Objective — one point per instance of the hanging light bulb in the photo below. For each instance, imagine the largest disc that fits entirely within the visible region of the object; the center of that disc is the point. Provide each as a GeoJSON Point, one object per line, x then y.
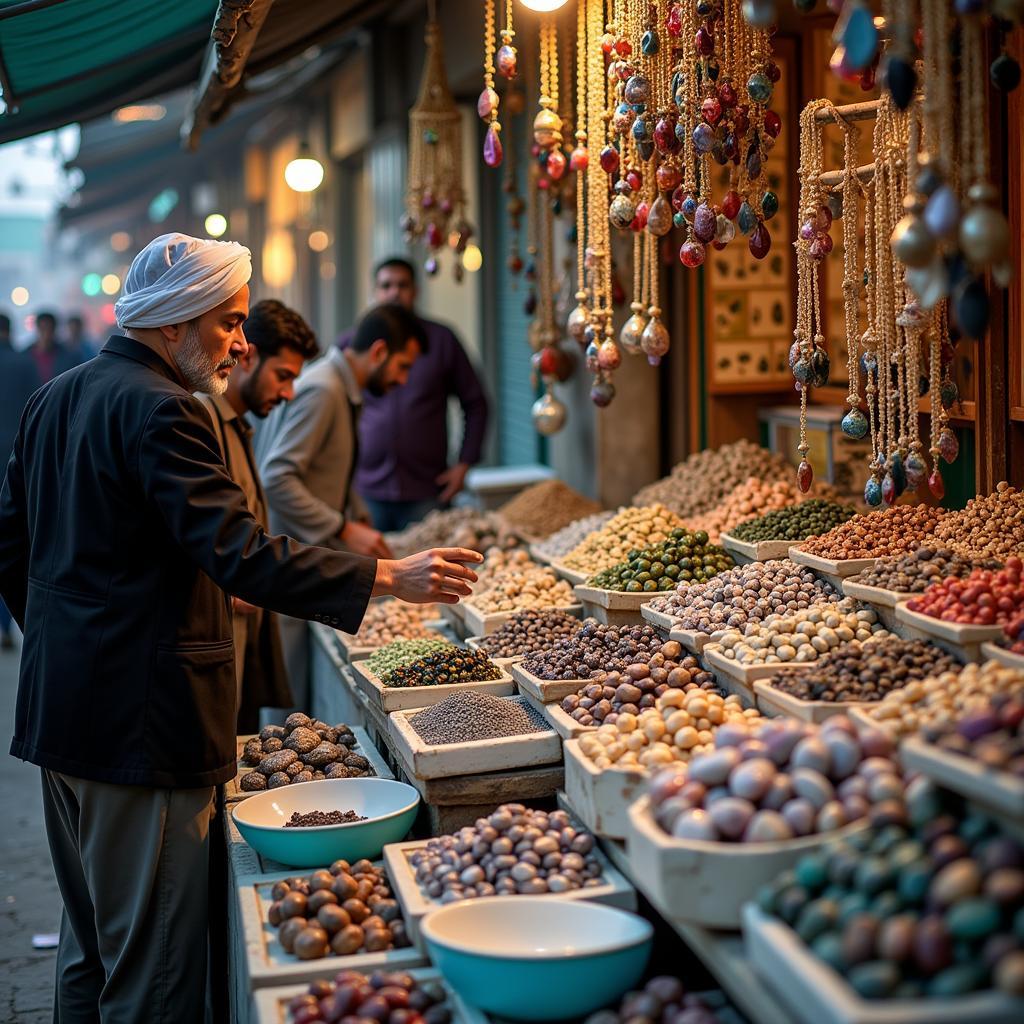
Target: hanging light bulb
{"type": "Point", "coordinates": [305, 172]}
{"type": "Point", "coordinates": [543, 6]}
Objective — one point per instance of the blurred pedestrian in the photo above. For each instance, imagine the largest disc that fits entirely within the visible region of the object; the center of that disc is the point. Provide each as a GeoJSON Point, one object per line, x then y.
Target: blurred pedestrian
{"type": "Point", "coordinates": [309, 449]}
{"type": "Point", "coordinates": [18, 379]}
{"type": "Point", "coordinates": [120, 536]}
{"type": "Point", "coordinates": [50, 357]}
{"type": "Point", "coordinates": [403, 469]}
{"type": "Point", "coordinates": [280, 342]}
{"type": "Point", "coordinates": [77, 342]}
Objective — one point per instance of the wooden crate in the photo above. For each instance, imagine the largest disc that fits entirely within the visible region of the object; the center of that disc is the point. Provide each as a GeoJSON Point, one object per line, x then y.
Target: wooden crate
{"type": "Point", "coordinates": [771, 701]}
{"type": "Point", "coordinates": [561, 721]}
{"type": "Point", "coordinates": [833, 571]}
{"type": "Point", "coordinates": [480, 624]}
{"type": "Point", "coordinates": [744, 552]}
{"type": "Point", "coordinates": [614, 891]}
{"type": "Point", "coordinates": [964, 642]}
{"type": "Point", "coordinates": [401, 698]}
{"type": "Point", "coordinates": [993, 652]}
{"type": "Point", "coordinates": [612, 607]}
{"type": "Point", "coordinates": [474, 643]}
{"type": "Point", "coordinates": [740, 679]}
{"type": "Point", "coordinates": [546, 690]}
{"type": "Point", "coordinates": [232, 792]}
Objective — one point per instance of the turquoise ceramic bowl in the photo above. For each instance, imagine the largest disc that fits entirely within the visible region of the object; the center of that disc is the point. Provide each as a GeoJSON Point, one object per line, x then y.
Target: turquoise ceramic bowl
{"type": "Point", "coordinates": [389, 806]}
{"type": "Point", "coordinates": [536, 957]}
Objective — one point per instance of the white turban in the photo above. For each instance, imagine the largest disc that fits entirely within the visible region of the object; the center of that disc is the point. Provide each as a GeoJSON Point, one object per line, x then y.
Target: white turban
{"type": "Point", "coordinates": [177, 278]}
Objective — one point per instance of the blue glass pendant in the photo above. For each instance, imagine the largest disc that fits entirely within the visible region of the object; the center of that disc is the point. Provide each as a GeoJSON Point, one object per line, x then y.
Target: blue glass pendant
{"type": "Point", "coordinates": [746, 219]}
{"type": "Point", "coordinates": [916, 469]}
{"type": "Point", "coordinates": [899, 474]}
{"type": "Point", "coordinates": [873, 492]}
{"type": "Point", "coordinates": [855, 424]}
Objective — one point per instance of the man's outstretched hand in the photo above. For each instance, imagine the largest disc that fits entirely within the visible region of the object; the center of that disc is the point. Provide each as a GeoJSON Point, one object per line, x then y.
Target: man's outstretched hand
{"type": "Point", "coordinates": [440, 575]}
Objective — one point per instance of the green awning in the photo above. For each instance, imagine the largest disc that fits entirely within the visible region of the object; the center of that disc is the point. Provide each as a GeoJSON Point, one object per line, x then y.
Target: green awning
{"type": "Point", "coordinates": [70, 60]}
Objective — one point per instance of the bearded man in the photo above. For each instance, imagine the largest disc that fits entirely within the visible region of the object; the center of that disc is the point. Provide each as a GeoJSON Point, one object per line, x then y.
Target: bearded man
{"type": "Point", "coordinates": [121, 537]}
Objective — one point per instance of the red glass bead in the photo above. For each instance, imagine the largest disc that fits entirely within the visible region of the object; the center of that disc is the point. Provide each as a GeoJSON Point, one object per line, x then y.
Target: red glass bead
{"type": "Point", "coordinates": [674, 21]}
{"type": "Point", "coordinates": [936, 484]}
{"type": "Point", "coordinates": [704, 41]}
{"type": "Point", "coordinates": [774, 72]}
{"type": "Point", "coordinates": [692, 254]}
{"type": "Point", "coordinates": [623, 47]}
{"type": "Point", "coordinates": [949, 446]}
{"type": "Point", "coordinates": [711, 110]}
{"type": "Point", "coordinates": [731, 204]}
{"type": "Point", "coordinates": [772, 124]}
{"type": "Point", "coordinates": [434, 236]}
{"type": "Point", "coordinates": [727, 95]}
{"type": "Point", "coordinates": [635, 180]}
{"type": "Point", "coordinates": [888, 489]}
{"type": "Point", "coordinates": [555, 165]}
{"type": "Point", "coordinates": [804, 476]}
{"type": "Point", "coordinates": [640, 219]}
{"type": "Point", "coordinates": [607, 44]}
{"type": "Point", "coordinates": [609, 159]}
{"type": "Point", "coordinates": [668, 177]}
{"type": "Point", "coordinates": [579, 159]}
{"type": "Point", "coordinates": [759, 242]}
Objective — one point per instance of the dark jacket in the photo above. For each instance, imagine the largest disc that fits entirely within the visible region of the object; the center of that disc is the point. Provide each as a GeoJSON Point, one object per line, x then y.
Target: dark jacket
{"type": "Point", "coordinates": [120, 536]}
{"type": "Point", "coordinates": [18, 379]}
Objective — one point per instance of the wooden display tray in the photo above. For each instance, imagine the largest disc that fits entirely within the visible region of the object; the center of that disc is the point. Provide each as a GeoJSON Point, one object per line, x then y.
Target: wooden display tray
{"type": "Point", "coordinates": [270, 1005]}
{"type": "Point", "coordinates": [401, 698]}
{"type": "Point", "coordinates": [771, 701]}
{"type": "Point", "coordinates": [996, 791]}
{"type": "Point", "coordinates": [692, 639]}
{"type": "Point", "coordinates": [364, 746]}
{"type": "Point", "coordinates": [963, 641]}
{"type": "Point", "coordinates": [572, 576]}
{"type": "Point", "coordinates": [268, 964]}
{"type": "Point", "coordinates": [744, 552]}
{"type": "Point", "coordinates": [615, 891]}
{"type": "Point", "coordinates": [877, 596]}
{"type": "Point", "coordinates": [737, 678]}
{"type": "Point", "coordinates": [834, 571]}
{"type": "Point", "coordinates": [474, 642]}
{"type": "Point", "coordinates": [547, 691]}
{"type": "Point", "coordinates": [538, 556]}
{"type": "Point", "coordinates": [816, 994]}
{"type": "Point", "coordinates": [351, 651]}
{"type": "Point", "coordinates": [612, 607]}
{"type": "Point", "coordinates": [708, 882]}
{"type": "Point", "coordinates": [437, 762]}
{"type": "Point", "coordinates": [480, 624]}
{"type": "Point", "coordinates": [600, 797]}
{"type": "Point", "coordinates": [560, 720]}
{"type": "Point", "coordinates": [663, 621]}
{"type": "Point", "coordinates": [993, 652]}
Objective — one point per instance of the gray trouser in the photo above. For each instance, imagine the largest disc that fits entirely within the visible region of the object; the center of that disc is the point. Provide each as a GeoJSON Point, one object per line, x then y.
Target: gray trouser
{"type": "Point", "coordinates": [132, 865]}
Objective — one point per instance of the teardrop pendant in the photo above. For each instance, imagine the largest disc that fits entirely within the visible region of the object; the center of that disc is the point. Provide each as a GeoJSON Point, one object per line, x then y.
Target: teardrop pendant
{"type": "Point", "coordinates": [873, 492]}
{"type": "Point", "coordinates": [936, 484]}
{"type": "Point", "coordinates": [899, 474]}
{"type": "Point", "coordinates": [855, 424]}
{"type": "Point", "coordinates": [804, 476]}
{"type": "Point", "coordinates": [949, 446]}
{"type": "Point", "coordinates": [888, 489]}
{"type": "Point", "coordinates": [916, 469]}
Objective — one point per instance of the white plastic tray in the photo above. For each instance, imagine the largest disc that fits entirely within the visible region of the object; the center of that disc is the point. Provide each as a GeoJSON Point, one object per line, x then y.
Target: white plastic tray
{"type": "Point", "coordinates": [546, 690]}
{"type": "Point", "coordinates": [600, 797]}
{"type": "Point", "coordinates": [704, 882]}
{"type": "Point", "coordinates": [268, 964]}
{"type": "Point", "coordinates": [815, 994]}
{"type": "Point", "coordinates": [615, 891]}
{"type": "Point", "coordinates": [771, 701]}
{"type": "Point", "coordinates": [364, 746]}
{"type": "Point", "coordinates": [745, 552]}
{"type": "Point", "coordinates": [560, 720]}
{"type": "Point", "coordinates": [993, 652]}
{"type": "Point", "coordinates": [401, 698]}
{"type": "Point", "coordinates": [474, 758]}
{"type": "Point", "coordinates": [998, 791]}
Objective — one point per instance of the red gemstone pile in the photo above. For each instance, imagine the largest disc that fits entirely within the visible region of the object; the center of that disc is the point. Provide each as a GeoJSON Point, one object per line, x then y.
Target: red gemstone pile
{"type": "Point", "coordinates": [984, 598]}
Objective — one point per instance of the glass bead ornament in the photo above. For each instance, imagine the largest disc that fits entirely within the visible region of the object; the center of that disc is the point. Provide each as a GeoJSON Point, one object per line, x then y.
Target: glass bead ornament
{"type": "Point", "coordinates": [804, 476]}
{"type": "Point", "coordinates": [769, 205]}
{"type": "Point", "coordinates": [725, 231]}
{"type": "Point", "coordinates": [759, 13]}
{"type": "Point", "coordinates": [911, 242]}
{"type": "Point", "coordinates": [487, 103]}
{"type": "Point", "coordinates": [759, 88]}
{"type": "Point", "coordinates": [637, 90]}
{"type": "Point", "coordinates": [692, 254]}
{"type": "Point", "coordinates": [888, 488]}
{"type": "Point", "coordinates": [602, 392]}
{"type": "Point", "coordinates": [984, 231]}
{"type": "Point", "coordinates": [899, 474]}
{"type": "Point", "coordinates": [942, 212]}
{"type": "Point", "coordinates": [576, 324]}
{"type": "Point", "coordinates": [548, 414]}
{"type": "Point", "coordinates": [632, 331]}
{"type": "Point", "coordinates": [731, 203]}
{"type": "Point", "coordinates": [971, 306]}
{"type": "Point", "coordinates": [705, 223]}
{"type": "Point", "coordinates": [746, 219]}
{"type": "Point", "coordinates": [916, 470]}
{"type": "Point", "coordinates": [608, 355]}
{"type": "Point", "coordinates": [547, 126]}
{"type": "Point", "coordinates": [760, 242]}
{"type": "Point", "coordinates": [855, 424]}
{"type": "Point", "coordinates": [948, 394]}
{"type": "Point", "coordinates": [855, 31]}
{"type": "Point", "coordinates": [506, 61]}
{"type": "Point", "coordinates": [654, 340]}
{"type": "Point", "coordinates": [820, 367]}
{"type": "Point", "coordinates": [591, 356]}
{"type": "Point", "coordinates": [621, 211]}
{"type": "Point", "coordinates": [802, 370]}
{"type": "Point", "coordinates": [949, 446]}
{"type": "Point", "coordinates": [494, 152]}
{"type": "Point", "coordinates": [579, 159]}
{"type": "Point", "coordinates": [873, 491]}
{"type": "Point", "coordinates": [936, 484]}
{"type": "Point", "coordinates": [609, 159]}
{"type": "Point", "coordinates": [1004, 74]}
{"type": "Point", "coordinates": [659, 217]}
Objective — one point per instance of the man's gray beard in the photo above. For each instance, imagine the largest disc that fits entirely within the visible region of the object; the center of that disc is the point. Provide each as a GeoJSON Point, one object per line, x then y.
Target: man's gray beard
{"type": "Point", "coordinates": [198, 369]}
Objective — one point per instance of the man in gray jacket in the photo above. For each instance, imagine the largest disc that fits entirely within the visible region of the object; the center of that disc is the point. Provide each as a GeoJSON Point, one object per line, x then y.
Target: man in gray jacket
{"type": "Point", "coordinates": [308, 450]}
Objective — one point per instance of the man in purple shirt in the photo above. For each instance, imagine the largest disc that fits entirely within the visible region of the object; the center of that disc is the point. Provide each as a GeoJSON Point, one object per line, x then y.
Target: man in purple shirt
{"type": "Point", "coordinates": [403, 469]}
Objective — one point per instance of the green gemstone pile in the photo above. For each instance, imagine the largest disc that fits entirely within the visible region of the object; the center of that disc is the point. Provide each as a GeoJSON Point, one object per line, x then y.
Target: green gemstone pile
{"type": "Point", "coordinates": [686, 556]}
{"type": "Point", "coordinates": [795, 522]}
{"type": "Point", "coordinates": [402, 652]}
{"type": "Point", "coordinates": [444, 667]}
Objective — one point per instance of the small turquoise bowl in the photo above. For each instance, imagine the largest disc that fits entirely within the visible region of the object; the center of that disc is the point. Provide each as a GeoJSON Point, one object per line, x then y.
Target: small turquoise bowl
{"type": "Point", "coordinates": [388, 806]}
{"type": "Point", "coordinates": [537, 957]}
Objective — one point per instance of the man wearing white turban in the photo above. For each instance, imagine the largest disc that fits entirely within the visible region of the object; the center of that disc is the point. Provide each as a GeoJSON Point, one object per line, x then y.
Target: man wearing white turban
{"type": "Point", "coordinates": [121, 535]}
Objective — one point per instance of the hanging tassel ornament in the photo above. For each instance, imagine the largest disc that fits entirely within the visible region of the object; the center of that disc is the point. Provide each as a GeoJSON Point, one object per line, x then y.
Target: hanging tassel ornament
{"type": "Point", "coordinates": [435, 200]}
{"type": "Point", "coordinates": [487, 104]}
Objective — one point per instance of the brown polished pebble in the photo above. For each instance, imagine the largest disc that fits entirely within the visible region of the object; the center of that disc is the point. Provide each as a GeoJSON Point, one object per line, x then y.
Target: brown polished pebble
{"type": "Point", "coordinates": [866, 671]}
{"type": "Point", "coordinates": [314, 819]}
{"type": "Point", "coordinates": [528, 632]}
{"type": "Point", "coordinates": [891, 531]}
{"type": "Point", "coordinates": [594, 648]}
{"type": "Point", "coordinates": [913, 574]}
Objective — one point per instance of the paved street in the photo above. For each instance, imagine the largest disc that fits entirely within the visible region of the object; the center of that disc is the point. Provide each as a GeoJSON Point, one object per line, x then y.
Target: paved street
{"type": "Point", "coordinates": [29, 902]}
